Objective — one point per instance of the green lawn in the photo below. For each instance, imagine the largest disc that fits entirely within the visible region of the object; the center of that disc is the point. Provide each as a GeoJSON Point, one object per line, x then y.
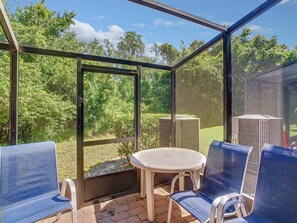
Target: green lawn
{"type": "Point", "coordinates": [66, 155]}
{"type": "Point", "coordinates": [94, 155]}
{"type": "Point", "coordinates": [293, 130]}
{"type": "Point", "coordinates": [209, 134]}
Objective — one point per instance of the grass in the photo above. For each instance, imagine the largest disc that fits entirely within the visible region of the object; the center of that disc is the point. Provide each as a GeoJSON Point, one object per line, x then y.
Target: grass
{"type": "Point", "coordinates": [293, 130]}
{"type": "Point", "coordinates": [209, 134]}
{"type": "Point", "coordinates": [94, 155]}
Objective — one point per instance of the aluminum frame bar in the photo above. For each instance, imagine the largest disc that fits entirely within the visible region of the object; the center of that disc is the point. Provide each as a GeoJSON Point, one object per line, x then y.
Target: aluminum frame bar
{"type": "Point", "coordinates": [173, 108]}
{"type": "Point", "coordinates": [199, 50]}
{"type": "Point", "coordinates": [4, 46]}
{"type": "Point", "coordinates": [80, 134]}
{"type": "Point", "coordinates": [227, 87]}
{"type": "Point", "coordinates": [6, 26]}
{"type": "Point", "coordinates": [26, 49]}
{"type": "Point", "coordinates": [46, 52]}
{"type": "Point", "coordinates": [252, 15]}
{"type": "Point", "coordinates": [137, 108]}
{"type": "Point", "coordinates": [108, 70]}
{"type": "Point", "coordinates": [13, 100]}
{"type": "Point", "coordinates": [179, 13]}
{"type": "Point", "coordinates": [107, 141]}
{"type": "Point", "coordinates": [237, 25]}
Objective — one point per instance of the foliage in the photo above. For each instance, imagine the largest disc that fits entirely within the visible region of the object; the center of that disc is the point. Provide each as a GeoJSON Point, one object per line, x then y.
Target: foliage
{"type": "Point", "coordinates": [42, 114]}
{"type": "Point", "coordinates": [99, 90]}
{"type": "Point", "coordinates": [36, 25]}
{"type": "Point", "coordinates": [166, 52]}
{"type": "Point", "coordinates": [47, 85]}
{"type": "Point", "coordinates": [156, 91]}
{"type": "Point", "coordinates": [4, 97]}
{"type": "Point", "coordinates": [124, 127]}
{"type": "Point", "coordinates": [131, 46]}
{"type": "Point", "coordinates": [251, 55]}
{"type": "Point", "coordinates": [95, 155]}
{"type": "Point", "coordinates": [202, 77]}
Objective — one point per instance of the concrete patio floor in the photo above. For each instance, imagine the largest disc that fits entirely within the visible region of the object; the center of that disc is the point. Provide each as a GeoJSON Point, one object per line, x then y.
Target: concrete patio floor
{"type": "Point", "coordinates": [128, 209]}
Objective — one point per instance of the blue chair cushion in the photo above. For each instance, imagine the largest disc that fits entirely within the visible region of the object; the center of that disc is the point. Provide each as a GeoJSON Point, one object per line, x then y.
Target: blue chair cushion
{"type": "Point", "coordinates": [194, 202]}
{"type": "Point", "coordinates": [241, 220]}
{"type": "Point", "coordinates": [250, 219]}
{"type": "Point", "coordinates": [224, 172]}
{"type": "Point", "coordinates": [276, 197]}
{"type": "Point", "coordinates": [34, 209]}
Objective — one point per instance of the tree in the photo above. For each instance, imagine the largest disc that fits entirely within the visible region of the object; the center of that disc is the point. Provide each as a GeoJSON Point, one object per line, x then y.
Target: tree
{"type": "Point", "coordinates": [251, 55]}
{"type": "Point", "coordinates": [94, 48]}
{"type": "Point", "coordinates": [156, 91]}
{"type": "Point", "coordinates": [195, 45]}
{"type": "Point", "coordinates": [108, 48]}
{"type": "Point", "coordinates": [38, 15]}
{"type": "Point", "coordinates": [99, 90]}
{"type": "Point", "coordinates": [200, 88]}
{"type": "Point", "coordinates": [156, 49]}
{"type": "Point", "coordinates": [168, 53]}
{"type": "Point", "coordinates": [131, 45]}
{"type": "Point", "coordinates": [36, 25]}
{"type": "Point", "coordinates": [47, 97]}
{"type": "Point", "coordinates": [4, 97]}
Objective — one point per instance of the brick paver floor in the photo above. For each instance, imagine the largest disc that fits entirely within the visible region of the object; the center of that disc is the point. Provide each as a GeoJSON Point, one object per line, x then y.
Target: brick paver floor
{"type": "Point", "coordinates": [128, 209]}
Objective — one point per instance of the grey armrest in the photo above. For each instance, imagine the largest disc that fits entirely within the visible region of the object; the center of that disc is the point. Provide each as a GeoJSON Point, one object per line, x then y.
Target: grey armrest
{"type": "Point", "coordinates": [234, 199]}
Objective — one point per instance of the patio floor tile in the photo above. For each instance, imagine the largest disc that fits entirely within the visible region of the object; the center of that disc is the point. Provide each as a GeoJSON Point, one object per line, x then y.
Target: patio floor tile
{"type": "Point", "coordinates": [128, 209]}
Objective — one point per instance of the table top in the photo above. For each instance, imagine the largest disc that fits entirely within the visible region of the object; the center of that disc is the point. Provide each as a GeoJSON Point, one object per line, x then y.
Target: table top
{"type": "Point", "coordinates": [168, 160]}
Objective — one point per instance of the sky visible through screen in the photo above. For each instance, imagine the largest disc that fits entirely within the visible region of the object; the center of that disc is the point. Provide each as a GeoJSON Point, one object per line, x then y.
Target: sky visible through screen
{"type": "Point", "coordinates": [110, 19]}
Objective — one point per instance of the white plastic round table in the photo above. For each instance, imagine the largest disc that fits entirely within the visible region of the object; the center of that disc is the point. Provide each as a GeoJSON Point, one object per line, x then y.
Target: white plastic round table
{"type": "Point", "coordinates": [165, 160]}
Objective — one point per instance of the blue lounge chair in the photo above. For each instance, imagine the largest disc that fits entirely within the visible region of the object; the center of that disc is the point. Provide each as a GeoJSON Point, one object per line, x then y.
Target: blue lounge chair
{"type": "Point", "coordinates": [275, 197]}
{"type": "Point", "coordinates": [29, 188]}
{"type": "Point", "coordinates": [224, 173]}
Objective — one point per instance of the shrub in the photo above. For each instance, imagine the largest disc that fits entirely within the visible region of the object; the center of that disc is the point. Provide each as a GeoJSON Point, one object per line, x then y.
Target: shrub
{"type": "Point", "coordinates": [149, 138]}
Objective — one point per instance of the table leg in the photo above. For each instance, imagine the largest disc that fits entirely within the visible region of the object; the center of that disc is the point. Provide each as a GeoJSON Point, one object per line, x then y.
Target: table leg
{"type": "Point", "coordinates": [142, 184]}
{"type": "Point", "coordinates": [196, 176]}
{"type": "Point", "coordinates": [181, 181]}
{"type": "Point", "coordinates": [149, 181]}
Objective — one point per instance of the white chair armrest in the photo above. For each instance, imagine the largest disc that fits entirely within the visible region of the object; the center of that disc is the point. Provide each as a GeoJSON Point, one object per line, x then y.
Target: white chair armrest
{"type": "Point", "coordinates": [213, 209]}
{"type": "Point", "coordinates": [229, 200]}
{"type": "Point", "coordinates": [72, 191]}
{"type": "Point", "coordinates": [181, 175]}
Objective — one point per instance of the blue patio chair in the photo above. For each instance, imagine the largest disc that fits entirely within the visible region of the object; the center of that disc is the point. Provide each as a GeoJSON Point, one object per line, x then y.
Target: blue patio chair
{"type": "Point", "coordinates": [29, 188]}
{"type": "Point", "coordinates": [275, 197]}
{"type": "Point", "coordinates": [224, 173]}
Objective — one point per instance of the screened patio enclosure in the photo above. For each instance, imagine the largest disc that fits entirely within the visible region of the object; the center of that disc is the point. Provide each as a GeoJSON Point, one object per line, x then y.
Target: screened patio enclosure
{"type": "Point", "coordinates": [280, 84]}
{"type": "Point", "coordinates": [211, 83]}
